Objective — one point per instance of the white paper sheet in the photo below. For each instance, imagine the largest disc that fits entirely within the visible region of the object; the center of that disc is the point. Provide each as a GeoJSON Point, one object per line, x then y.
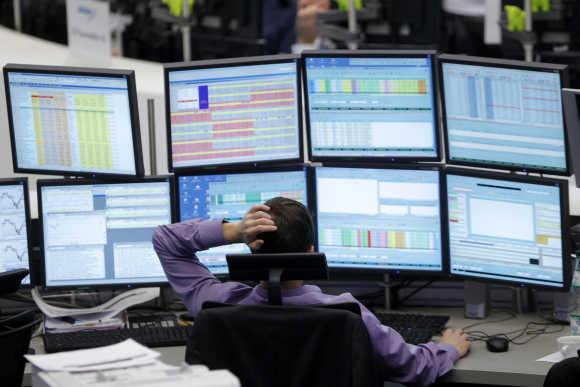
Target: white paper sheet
{"type": "Point", "coordinates": [552, 358]}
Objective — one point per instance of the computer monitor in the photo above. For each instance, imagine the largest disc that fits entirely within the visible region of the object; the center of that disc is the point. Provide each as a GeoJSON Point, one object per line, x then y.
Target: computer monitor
{"type": "Point", "coordinates": [73, 121]}
{"type": "Point", "coordinates": [244, 111]}
{"type": "Point", "coordinates": [14, 225]}
{"type": "Point", "coordinates": [508, 228]}
{"type": "Point", "coordinates": [571, 100]}
{"type": "Point", "coordinates": [380, 219]}
{"type": "Point", "coordinates": [97, 234]}
{"type": "Point", "coordinates": [504, 114]}
{"type": "Point", "coordinates": [229, 195]}
{"type": "Point", "coordinates": [371, 105]}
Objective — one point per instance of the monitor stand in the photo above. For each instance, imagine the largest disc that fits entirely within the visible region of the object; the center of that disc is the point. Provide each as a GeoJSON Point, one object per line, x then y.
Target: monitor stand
{"type": "Point", "coordinates": [388, 292]}
{"type": "Point", "coordinates": [476, 295]}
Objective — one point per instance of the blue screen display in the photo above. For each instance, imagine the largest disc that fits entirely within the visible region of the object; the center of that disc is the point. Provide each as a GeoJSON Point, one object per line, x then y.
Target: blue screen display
{"type": "Point", "coordinates": [504, 117]}
{"type": "Point", "coordinates": [371, 107]}
{"type": "Point", "coordinates": [505, 230]}
{"type": "Point", "coordinates": [229, 197]}
{"type": "Point", "coordinates": [385, 219]}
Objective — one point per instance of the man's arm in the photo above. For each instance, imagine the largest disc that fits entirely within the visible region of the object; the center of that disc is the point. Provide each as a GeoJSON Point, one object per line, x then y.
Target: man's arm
{"type": "Point", "coordinates": [417, 364]}
{"type": "Point", "coordinates": [176, 245]}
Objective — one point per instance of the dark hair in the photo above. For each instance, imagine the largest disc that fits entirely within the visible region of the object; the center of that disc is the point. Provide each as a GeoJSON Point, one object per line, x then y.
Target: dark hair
{"type": "Point", "coordinates": [295, 233]}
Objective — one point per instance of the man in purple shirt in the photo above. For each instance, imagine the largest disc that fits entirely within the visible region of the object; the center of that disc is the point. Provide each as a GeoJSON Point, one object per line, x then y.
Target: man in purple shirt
{"type": "Point", "coordinates": [284, 225]}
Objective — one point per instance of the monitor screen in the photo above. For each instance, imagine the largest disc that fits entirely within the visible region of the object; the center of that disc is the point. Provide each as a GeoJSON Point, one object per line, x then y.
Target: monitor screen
{"type": "Point", "coordinates": [571, 99]}
{"type": "Point", "coordinates": [230, 196]}
{"type": "Point", "coordinates": [378, 106]}
{"type": "Point", "coordinates": [71, 122]}
{"type": "Point", "coordinates": [234, 113]}
{"type": "Point", "coordinates": [13, 226]}
{"type": "Point", "coordinates": [100, 234]}
{"type": "Point", "coordinates": [382, 219]}
{"type": "Point", "coordinates": [506, 230]}
{"type": "Point", "coordinates": [502, 117]}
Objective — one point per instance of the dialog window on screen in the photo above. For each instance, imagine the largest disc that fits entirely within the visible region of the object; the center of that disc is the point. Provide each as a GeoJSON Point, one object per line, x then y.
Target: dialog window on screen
{"type": "Point", "coordinates": [505, 230]}
{"type": "Point", "coordinates": [229, 197]}
{"type": "Point", "coordinates": [72, 123]}
{"type": "Point", "coordinates": [504, 117]}
{"type": "Point", "coordinates": [379, 219]}
{"type": "Point", "coordinates": [371, 107]}
{"type": "Point", "coordinates": [13, 235]}
{"type": "Point", "coordinates": [101, 234]}
{"type": "Point", "coordinates": [235, 114]}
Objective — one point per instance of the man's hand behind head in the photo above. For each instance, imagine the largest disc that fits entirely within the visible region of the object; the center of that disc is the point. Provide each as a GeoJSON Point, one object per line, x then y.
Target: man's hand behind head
{"type": "Point", "coordinates": [256, 221]}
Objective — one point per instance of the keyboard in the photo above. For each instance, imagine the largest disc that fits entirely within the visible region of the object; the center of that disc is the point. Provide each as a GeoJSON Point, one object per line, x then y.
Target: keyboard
{"type": "Point", "coordinates": [149, 336]}
{"type": "Point", "coordinates": [415, 328]}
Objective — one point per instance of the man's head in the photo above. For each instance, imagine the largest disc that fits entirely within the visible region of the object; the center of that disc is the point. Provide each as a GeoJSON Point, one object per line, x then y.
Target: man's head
{"type": "Point", "coordinates": [295, 229]}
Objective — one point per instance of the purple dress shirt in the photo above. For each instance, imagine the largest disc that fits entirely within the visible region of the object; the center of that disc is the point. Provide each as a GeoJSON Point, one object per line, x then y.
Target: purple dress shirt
{"type": "Point", "coordinates": [176, 246]}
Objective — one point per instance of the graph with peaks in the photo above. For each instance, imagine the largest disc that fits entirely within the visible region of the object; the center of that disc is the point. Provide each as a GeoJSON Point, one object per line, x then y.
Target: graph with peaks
{"type": "Point", "coordinates": [233, 119]}
{"type": "Point", "coordinates": [504, 117]}
{"type": "Point", "coordinates": [377, 238]}
{"type": "Point", "coordinates": [72, 123]}
{"type": "Point", "coordinates": [370, 86]}
{"type": "Point", "coordinates": [13, 232]}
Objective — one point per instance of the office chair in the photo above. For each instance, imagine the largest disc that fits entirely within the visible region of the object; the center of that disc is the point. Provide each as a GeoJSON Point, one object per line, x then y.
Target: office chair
{"type": "Point", "coordinates": [564, 374]}
{"type": "Point", "coordinates": [285, 346]}
{"type": "Point", "coordinates": [15, 332]}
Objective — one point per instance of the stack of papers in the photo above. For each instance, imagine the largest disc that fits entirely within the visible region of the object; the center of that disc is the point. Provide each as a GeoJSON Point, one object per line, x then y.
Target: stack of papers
{"type": "Point", "coordinates": [128, 353]}
{"type": "Point", "coordinates": [102, 317]}
{"type": "Point", "coordinates": [127, 364]}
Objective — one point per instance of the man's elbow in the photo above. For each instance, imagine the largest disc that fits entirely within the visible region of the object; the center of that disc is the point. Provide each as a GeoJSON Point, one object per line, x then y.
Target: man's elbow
{"type": "Point", "coordinates": [159, 239]}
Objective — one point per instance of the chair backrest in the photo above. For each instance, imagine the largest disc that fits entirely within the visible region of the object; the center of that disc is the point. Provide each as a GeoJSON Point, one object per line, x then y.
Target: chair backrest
{"type": "Point", "coordinates": [564, 374]}
{"type": "Point", "coordinates": [285, 346]}
{"type": "Point", "coordinates": [14, 341]}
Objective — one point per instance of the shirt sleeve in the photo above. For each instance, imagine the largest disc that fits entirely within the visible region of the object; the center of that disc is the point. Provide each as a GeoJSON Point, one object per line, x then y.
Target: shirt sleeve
{"type": "Point", "coordinates": [176, 245]}
{"type": "Point", "coordinates": [406, 363]}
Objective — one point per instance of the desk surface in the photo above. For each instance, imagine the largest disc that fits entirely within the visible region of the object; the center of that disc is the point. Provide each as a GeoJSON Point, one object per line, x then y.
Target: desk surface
{"type": "Point", "coordinates": [516, 367]}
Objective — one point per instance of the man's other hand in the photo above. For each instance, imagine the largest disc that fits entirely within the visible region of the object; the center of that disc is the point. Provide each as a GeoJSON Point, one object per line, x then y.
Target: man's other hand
{"type": "Point", "coordinates": [458, 339]}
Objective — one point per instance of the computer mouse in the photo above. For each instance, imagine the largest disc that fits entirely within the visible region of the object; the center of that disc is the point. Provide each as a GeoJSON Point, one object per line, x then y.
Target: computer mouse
{"type": "Point", "coordinates": [497, 344]}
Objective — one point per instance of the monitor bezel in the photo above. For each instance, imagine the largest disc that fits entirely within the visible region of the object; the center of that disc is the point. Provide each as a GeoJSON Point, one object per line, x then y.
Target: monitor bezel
{"type": "Point", "coordinates": [564, 223]}
{"type": "Point", "coordinates": [66, 182]}
{"type": "Point", "coordinates": [308, 173]}
{"type": "Point", "coordinates": [506, 64]}
{"type": "Point", "coordinates": [232, 62]}
{"type": "Point", "coordinates": [379, 160]}
{"type": "Point", "coordinates": [572, 116]}
{"type": "Point", "coordinates": [24, 182]}
{"type": "Point", "coordinates": [352, 272]}
{"type": "Point", "coordinates": [128, 75]}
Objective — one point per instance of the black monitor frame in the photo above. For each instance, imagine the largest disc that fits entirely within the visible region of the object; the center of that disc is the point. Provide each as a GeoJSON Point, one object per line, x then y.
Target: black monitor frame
{"type": "Point", "coordinates": [571, 100]}
{"type": "Point", "coordinates": [564, 223]}
{"type": "Point", "coordinates": [356, 272]}
{"type": "Point", "coordinates": [232, 62]}
{"type": "Point", "coordinates": [379, 160]}
{"type": "Point", "coordinates": [504, 64]}
{"type": "Point", "coordinates": [62, 182]}
{"type": "Point", "coordinates": [128, 75]}
{"type": "Point", "coordinates": [24, 182]}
